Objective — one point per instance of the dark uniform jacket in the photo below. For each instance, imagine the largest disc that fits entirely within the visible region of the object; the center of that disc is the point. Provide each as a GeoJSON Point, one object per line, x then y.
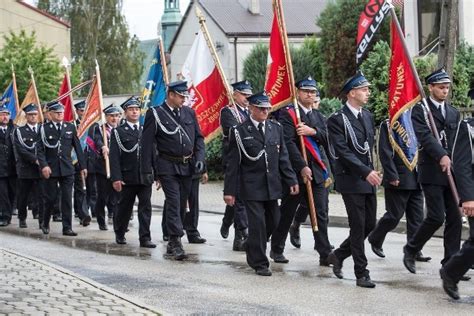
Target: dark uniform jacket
{"type": "Point", "coordinates": [393, 166]}
{"type": "Point", "coordinates": [430, 151]}
{"type": "Point", "coordinates": [315, 120]}
{"type": "Point", "coordinates": [125, 166]}
{"type": "Point", "coordinates": [228, 121]}
{"type": "Point", "coordinates": [463, 162]}
{"type": "Point", "coordinates": [26, 151]}
{"type": "Point", "coordinates": [7, 157]}
{"type": "Point", "coordinates": [169, 148]}
{"type": "Point", "coordinates": [59, 159]}
{"type": "Point", "coordinates": [257, 183]}
{"type": "Point", "coordinates": [351, 168]}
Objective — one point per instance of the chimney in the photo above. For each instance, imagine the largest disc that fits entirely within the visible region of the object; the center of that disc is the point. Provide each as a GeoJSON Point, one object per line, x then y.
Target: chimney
{"type": "Point", "coordinates": [254, 6]}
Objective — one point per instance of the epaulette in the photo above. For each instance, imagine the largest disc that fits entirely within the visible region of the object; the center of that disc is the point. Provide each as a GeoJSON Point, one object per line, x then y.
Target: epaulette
{"type": "Point", "coordinates": [338, 112]}
{"type": "Point", "coordinates": [275, 122]}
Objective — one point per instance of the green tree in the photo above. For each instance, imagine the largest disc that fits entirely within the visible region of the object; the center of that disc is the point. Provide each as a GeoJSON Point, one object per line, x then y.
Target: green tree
{"type": "Point", "coordinates": [100, 32]}
{"type": "Point", "coordinates": [22, 51]}
{"type": "Point", "coordinates": [338, 23]}
{"type": "Point", "coordinates": [255, 66]}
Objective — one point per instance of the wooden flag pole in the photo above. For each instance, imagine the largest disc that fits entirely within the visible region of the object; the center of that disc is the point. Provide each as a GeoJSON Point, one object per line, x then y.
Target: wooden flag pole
{"type": "Point", "coordinates": [432, 124]}
{"type": "Point", "coordinates": [33, 82]}
{"type": "Point", "coordinates": [15, 90]}
{"type": "Point", "coordinates": [102, 115]}
{"type": "Point", "coordinates": [163, 61]}
{"type": "Point", "coordinates": [210, 44]}
{"type": "Point", "coordinates": [309, 189]}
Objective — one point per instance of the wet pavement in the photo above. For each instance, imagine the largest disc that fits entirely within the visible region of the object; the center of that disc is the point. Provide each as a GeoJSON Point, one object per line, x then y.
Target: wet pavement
{"type": "Point", "coordinates": [215, 279]}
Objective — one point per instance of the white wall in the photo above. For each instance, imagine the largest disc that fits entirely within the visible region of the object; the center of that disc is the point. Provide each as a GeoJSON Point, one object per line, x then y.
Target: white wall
{"type": "Point", "coordinates": [466, 25]}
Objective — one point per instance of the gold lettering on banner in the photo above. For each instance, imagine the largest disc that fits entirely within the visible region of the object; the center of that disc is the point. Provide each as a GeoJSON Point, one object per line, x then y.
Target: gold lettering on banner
{"type": "Point", "coordinates": [275, 89]}
{"type": "Point", "coordinates": [399, 85]}
{"type": "Point", "coordinates": [402, 132]}
{"type": "Point", "coordinates": [211, 114]}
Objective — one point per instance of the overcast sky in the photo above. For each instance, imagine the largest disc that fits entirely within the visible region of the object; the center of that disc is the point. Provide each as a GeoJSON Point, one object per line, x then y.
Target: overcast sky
{"type": "Point", "coordinates": [142, 15]}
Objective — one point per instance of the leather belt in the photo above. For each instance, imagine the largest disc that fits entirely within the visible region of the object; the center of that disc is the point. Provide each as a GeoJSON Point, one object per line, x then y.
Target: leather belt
{"type": "Point", "coordinates": [179, 159]}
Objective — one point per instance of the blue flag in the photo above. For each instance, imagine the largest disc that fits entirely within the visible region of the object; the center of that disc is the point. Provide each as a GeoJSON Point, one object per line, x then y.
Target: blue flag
{"type": "Point", "coordinates": [8, 99]}
{"type": "Point", "coordinates": [154, 92]}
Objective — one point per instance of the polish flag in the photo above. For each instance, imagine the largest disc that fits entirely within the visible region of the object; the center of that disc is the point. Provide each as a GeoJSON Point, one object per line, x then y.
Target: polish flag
{"type": "Point", "coordinates": [67, 100]}
{"type": "Point", "coordinates": [207, 90]}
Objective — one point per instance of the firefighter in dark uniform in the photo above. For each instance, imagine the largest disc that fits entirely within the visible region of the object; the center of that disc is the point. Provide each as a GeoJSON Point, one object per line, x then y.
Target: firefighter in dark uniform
{"type": "Point", "coordinates": [229, 118]}
{"type": "Point", "coordinates": [127, 177]}
{"type": "Point", "coordinates": [434, 163]}
{"type": "Point", "coordinates": [106, 195]}
{"type": "Point", "coordinates": [402, 192]}
{"type": "Point", "coordinates": [81, 208]}
{"type": "Point", "coordinates": [258, 163]}
{"type": "Point", "coordinates": [27, 164]}
{"type": "Point", "coordinates": [7, 167]}
{"type": "Point", "coordinates": [58, 139]}
{"type": "Point", "coordinates": [316, 170]}
{"type": "Point", "coordinates": [351, 133]}
{"type": "Point", "coordinates": [459, 263]}
{"type": "Point", "coordinates": [172, 132]}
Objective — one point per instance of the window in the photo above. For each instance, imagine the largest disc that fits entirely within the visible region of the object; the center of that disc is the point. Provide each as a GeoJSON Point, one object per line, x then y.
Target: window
{"type": "Point", "coordinates": [429, 18]}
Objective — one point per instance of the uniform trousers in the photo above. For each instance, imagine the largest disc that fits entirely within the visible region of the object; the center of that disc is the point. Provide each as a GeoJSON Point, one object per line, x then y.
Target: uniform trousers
{"type": "Point", "coordinates": [50, 187]}
{"type": "Point", "coordinates": [125, 208]}
{"type": "Point", "coordinates": [361, 212]}
{"type": "Point", "coordinates": [398, 203]}
{"type": "Point", "coordinates": [440, 206]}
{"type": "Point", "coordinates": [80, 203]}
{"type": "Point", "coordinates": [236, 214]}
{"type": "Point", "coordinates": [263, 217]}
{"type": "Point", "coordinates": [176, 189]}
{"type": "Point", "coordinates": [5, 199]}
{"type": "Point", "coordinates": [106, 196]}
{"type": "Point", "coordinates": [289, 205]}
{"type": "Point", "coordinates": [91, 191]}
{"type": "Point", "coordinates": [191, 218]}
{"type": "Point", "coordinates": [462, 261]}
{"type": "Point", "coordinates": [29, 188]}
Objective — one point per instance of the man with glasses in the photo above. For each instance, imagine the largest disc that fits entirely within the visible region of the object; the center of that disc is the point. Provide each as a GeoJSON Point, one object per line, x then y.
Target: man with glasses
{"type": "Point", "coordinates": [258, 164]}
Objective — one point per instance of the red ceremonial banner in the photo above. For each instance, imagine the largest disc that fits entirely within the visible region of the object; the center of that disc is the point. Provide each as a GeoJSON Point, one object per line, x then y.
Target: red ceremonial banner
{"type": "Point", "coordinates": [277, 83]}
{"type": "Point", "coordinates": [403, 94]}
{"type": "Point", "coordinates": [93, 110]}
{"type": "Point", "coordinates": [66, 101]}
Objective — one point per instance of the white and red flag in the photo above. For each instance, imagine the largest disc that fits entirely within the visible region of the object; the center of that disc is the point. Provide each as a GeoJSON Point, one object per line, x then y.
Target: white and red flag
{"type": "Point", "coordinates": [207, 89]}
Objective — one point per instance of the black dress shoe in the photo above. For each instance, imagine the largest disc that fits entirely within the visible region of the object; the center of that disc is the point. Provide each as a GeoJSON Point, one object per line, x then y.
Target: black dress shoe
{"type": "Point", "coordinates": [166, 238]}
{"type": "Point", "coordinates": [3, 223]}
{"type": "Point", "coordinates": [23, 224]}
{"type": "Point", "coordinates": [419, 257]}
{"type": "Point", "coordinates": [86, 221]}
{"type": "Point", "coordinates": [35, 216]}
{"type": "Point", "coordinates": [147, 244]}
{"type": "Point", "coordinates": [409, 261]}
{"type": "Point", "coordinates": [378, 251]}
{"type": "Point", "coordinates": [224, 231]}
{"type": "Point", "coordinates": [449, 285]}
{"type": "Point", "coordinates": [465, 278]}
{"type": "Point", "coordinates": [323, 262]}
{"type": "Point", "coordinates": [278, 257]}
{"type": "Point", "coordinates": [196, 239]}
{"type": "Point", "coordinates": [120, 240]}
{"type": "Point", "coordinates": [366, 282]}
{"type": "Point", "coordinates": [69, 232]}
{"type": "Point", "coordinates": [45, 229]}
{"type": "Point", "coordinates": [336, 265]}
{"type": "Point", "coordinates": [103, 227]}
{"type": "Point", "coordinates": [263, 272]}
{"type": "Point", "coordinates": [240, 237]}
{"type": "Point", "coordinates": [295, 239]}
{"type": "Point", "coordinates": [57, 218]}
{"type": "Point", "coordinates": [175, 248]}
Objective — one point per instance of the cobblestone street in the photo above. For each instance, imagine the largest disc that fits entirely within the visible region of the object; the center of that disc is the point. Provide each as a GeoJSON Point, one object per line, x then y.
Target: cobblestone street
{"type": "Point", "coordinates": [31, 287]}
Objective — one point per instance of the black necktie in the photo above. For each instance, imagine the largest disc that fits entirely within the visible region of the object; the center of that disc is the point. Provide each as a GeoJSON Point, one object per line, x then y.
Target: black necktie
{"type": "Point", "coordinates": [260, 129]}
{"type": "Point", "coordinates": [361, 121]}
{"type": "Point", "coordinates": [135, 128]}
{"type": "Point", "coordinates": [176, 113]}
{"type": "Point", "coordinates": [440, 109]}
{"type": "Point", "coordinates": [34, 129]}
{"type": "Point", "coordinates": [58, 126]}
